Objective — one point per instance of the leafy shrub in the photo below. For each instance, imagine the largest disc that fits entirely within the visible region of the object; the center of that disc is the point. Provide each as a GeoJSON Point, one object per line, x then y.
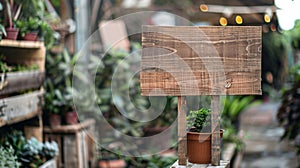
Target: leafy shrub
{"type": "Point", "coordinates": [199, 119]}
{"type": "Point", "coordinates": [8, 159]}
{"type": "Point", "coordinates": [30, 153]}
{"type": "Point", "coordinates": [289, 114]}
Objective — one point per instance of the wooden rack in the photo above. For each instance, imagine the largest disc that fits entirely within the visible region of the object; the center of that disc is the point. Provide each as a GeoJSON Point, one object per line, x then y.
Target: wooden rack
{"type": "Point", "coordinates": [22, 107]}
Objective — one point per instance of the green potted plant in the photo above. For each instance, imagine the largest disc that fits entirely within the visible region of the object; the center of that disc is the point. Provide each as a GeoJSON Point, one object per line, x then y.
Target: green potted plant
{"type": "Point", "coordinates": [33, 23]}
{"type": "Point", "coordinates": [27, 152]}
{"type": "Point", "coordinates": [28, 28]}
{"type": "Point", "coordinates": [199, 136]}
{"type": "Point", "coordinates": [13, 10]}
{"type": "Point", "coordinates": [58, 86]}
{"type": "Point", "coordinates": [109, 159]}
{"type": "Point", "coordinates": [8, 159]}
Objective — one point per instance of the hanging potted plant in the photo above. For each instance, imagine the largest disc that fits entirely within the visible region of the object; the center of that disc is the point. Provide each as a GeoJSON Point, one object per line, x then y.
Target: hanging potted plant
{"type": "Point", "coordinates": [13, 12]}
{"type": "Point", "coordinates": [199, 136]}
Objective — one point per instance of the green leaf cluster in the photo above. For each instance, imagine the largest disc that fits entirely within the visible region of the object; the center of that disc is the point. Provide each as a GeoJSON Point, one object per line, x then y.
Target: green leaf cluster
{"type": "Point", "coordinates": [8, 159]}
{"type": "Point", "coordinates": [199, 119]}
{"type": "Point", "coordinates": [28, 153]}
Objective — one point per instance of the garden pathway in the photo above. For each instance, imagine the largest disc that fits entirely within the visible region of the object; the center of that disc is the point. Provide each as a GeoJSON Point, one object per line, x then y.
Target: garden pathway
{"type": "Point", "coordinates": [262, 137]}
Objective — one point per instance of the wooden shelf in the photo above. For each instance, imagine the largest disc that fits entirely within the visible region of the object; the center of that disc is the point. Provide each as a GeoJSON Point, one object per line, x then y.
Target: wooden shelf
{"type": "Point", "coordinates": [70, 128]}
{"type": "Point", "coordinates": [21, 44]}
{"type": "Point", "coordinates": [17, 81]}
{"type": "Point", "coordinates": [20, 108]}
{"type": "Point", "coordinates": [76, 143]}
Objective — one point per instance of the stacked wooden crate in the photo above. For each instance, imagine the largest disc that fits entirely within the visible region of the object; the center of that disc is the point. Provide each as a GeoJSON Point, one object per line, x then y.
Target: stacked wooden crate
{"type": "Point", "coordinates": [16, 107]}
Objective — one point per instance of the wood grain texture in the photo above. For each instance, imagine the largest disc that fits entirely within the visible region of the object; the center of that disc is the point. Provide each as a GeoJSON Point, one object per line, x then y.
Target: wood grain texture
{"type": "Point", "coordinates": [19, 108]}
{"type": "Point", "coordinates": [215, 128]}
{"type": "Point", "coordinates": [76, 143]}
{"type": "Point", "coordinates": [21, 44]}
{"type": "Point", "coordinates": [17, 81]}
{"type": "Point", "coordinates": [201, 60]}
{"type": "Point", "coordinates": [182, 160]}
{"type": "Point", "coordinates": [24, 53]}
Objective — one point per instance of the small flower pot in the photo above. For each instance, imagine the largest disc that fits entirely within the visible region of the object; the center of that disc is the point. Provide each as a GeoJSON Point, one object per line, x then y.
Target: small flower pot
{"type": "Point", "coordinates": [71, 118]}
{"type": "Point", "coordinates": [54, 120]}
{"type": "Point", "coordinates": [11, 33]}
{"type": "Point", "coordinates": [116, 163]}
{"type": "Point", "coordinates": [199, 147]}
{"type": "Point", "coordinates": [32, 36]}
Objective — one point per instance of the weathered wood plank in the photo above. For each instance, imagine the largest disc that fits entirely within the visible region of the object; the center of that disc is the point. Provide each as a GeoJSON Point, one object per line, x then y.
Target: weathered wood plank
{"type": "Point", "coordinates": [215, 128]}
{"type": "Point", "coordinates": [70, 128]}
{"type": "Point", "coordinates": [19, 108]}
{"type": "Point", "coordinates": [16, 81]}
{"type": "Point", "coordinates": [21, 44]}
{"type": "Point", "coordinates": [76, 143]}
{"type": "Point", "coordinates": [24, 53]}
{"type": "Point", "coordinates": [182, 130]}
{"type": "Point", "coordinates": [201, 60]}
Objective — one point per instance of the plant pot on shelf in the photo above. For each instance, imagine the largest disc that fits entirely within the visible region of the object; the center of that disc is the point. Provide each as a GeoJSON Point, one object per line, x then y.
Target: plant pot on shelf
{"type": "Point", "coordinates": [199, 147]}
{"type": "Point", "coordinates": [11, 33]}
{"type": "Point", "coordinates": [31, 36]}
{"type": "Point", "coordinates": [108, 163]}
{"type": "Point", "coordinates": [54, 120]}
{"type": "Point", "coordinates": [71, 118]}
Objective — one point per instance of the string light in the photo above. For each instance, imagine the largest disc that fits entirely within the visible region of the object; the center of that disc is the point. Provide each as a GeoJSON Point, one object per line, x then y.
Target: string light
{"type": "Point", "coordinates": [267, 18]}
{"type": "Point", "coordinates": [239, 19]}
{"type": "Point", "coordinates": [223, 21]}
{"type": "Point", "coordinates": [203, 8]}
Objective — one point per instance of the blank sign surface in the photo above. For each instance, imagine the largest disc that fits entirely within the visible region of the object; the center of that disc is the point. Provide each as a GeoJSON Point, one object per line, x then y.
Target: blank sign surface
{"type": "Point", "coordinates": [190, 60]}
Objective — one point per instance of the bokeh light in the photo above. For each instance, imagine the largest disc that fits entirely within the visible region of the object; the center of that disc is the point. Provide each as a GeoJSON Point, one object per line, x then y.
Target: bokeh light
{"type": "Point", "coordinates": [223, 21]}
{"type": "Point", "coordinates": [203, 8]}
{"type": "Point", "coordinates": [239, 19]}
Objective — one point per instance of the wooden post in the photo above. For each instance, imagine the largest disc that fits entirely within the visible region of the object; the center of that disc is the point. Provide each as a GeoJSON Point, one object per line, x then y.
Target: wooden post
{"type": "Point", "coordinates": [182, 130]}
{"type": "Point", "coordinates": [215, 128]}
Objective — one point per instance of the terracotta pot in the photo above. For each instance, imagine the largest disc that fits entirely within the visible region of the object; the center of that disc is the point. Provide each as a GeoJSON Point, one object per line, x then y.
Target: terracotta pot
{"type": "Point", "coordinates": [32, 36]}
{"type": "Point", "coordinates": [54, 120]}
{"type": "Point", "coordinates": [199, 147]}
{"type": "Point", "coordinates": [11, 33]}
{"type": "Point", "coordinates": [117, 163]}
{"type": "Point", "coordinates": [71, 117]}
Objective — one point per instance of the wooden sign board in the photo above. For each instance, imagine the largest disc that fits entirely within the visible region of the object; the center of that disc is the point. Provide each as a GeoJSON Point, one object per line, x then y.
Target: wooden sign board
{"type": "Point", "coordinates": [190, 60]}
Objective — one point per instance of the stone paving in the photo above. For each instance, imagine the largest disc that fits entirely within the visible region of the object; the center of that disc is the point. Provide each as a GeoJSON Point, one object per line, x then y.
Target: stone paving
{"type": "Point", "coordinates": [263, 146]}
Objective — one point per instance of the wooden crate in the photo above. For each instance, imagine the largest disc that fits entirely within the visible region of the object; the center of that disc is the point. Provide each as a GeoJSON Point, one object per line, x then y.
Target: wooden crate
{"type": "Point", "coordinates": [19, 108]}
{"type": "Point", "coordinates": [16, 81]}
{"type": "Point", "coordinates": [75, 143]}
{"type": "Point", "coordinates": [24, 52]}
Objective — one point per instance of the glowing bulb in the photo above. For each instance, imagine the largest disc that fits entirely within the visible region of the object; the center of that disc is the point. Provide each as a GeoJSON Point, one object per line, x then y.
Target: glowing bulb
{"type": "Point", "coordinates": [239, 19]}
{"type": "Point", "coordinates": [203, 8]}
{"type": "Point", "coordinates": [267, 18]}
{"type": "Point", "coordinates": [223, 21]}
